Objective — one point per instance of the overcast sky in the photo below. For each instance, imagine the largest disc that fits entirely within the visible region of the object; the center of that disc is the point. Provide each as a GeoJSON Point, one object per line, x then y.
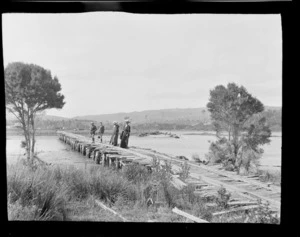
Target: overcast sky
{"type": "Point", "coordinates": [121, 62]}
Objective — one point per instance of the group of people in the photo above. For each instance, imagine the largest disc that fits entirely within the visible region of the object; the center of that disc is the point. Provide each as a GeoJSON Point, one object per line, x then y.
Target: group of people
{"type": "Point", "coordinates": [124, 136]}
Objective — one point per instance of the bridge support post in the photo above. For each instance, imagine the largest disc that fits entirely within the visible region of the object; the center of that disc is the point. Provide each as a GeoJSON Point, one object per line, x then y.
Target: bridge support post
{"type": "Point", "coordinates": [98, 157]}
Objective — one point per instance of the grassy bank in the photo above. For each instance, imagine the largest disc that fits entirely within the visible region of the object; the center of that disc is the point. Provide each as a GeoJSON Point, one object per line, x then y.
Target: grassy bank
{"type": "Point", "coordinates": [42, 192]}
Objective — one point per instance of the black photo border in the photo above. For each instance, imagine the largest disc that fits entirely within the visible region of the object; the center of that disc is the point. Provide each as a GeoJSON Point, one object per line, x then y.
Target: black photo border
{"type": "Point", "coordinates": [289, 155]}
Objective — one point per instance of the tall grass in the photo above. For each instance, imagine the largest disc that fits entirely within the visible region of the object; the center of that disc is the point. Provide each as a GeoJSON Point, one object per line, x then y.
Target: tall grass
{"type": "Point", "coordinates": [44, 191]}
{"type": "Point", "coordinates": [47, 192]}
{"type": "Point", "coordinates": [34, 191]}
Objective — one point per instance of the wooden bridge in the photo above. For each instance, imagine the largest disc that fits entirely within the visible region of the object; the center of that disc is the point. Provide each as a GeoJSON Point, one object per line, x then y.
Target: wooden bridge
{"type": "Point", "coordinates": [245, 190]}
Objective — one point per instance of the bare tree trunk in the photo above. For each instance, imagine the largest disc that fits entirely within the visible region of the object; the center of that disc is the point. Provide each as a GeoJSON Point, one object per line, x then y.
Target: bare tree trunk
{"type": "Point", "coordinates": [235, 145]}
{"type": "Point", "coordinates": [28, 146]}
{"type": "Point", "coordinates": [30, 134]}
{"type": "Point", "coordinates": [27, 137]}
{"type": "Point", "coordinates": [33, 134]}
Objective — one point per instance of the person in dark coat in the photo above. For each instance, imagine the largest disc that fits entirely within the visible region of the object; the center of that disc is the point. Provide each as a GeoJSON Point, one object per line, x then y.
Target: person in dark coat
{"type": "Point", "coordinates": [125, 135]}
{"type": "Point", "coordinates": [100, 131]}
{"type": "Point", "coordinates": [114, 137]}
{"type": "Point", "coordinates": [93, 131]}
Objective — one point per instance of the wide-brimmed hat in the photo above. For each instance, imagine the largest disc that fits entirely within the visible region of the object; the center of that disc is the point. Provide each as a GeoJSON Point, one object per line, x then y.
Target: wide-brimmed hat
{"type": "Point", "coordinates": [115, 122]}
{"type": "Point", "coordinates": [127, 121]}
{"type": "Point", "coordinates": [92, 122]}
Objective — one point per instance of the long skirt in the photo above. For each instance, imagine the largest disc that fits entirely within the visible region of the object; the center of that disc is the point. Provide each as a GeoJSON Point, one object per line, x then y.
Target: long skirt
{"type": "Point", "coordinates": [114, 139]}
{"type": "Point", "coordinates": [124, 142]}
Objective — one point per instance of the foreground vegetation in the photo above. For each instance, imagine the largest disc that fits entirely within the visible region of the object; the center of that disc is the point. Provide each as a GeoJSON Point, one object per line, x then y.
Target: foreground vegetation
{"type": "Point", "coordinates": [41, 192]}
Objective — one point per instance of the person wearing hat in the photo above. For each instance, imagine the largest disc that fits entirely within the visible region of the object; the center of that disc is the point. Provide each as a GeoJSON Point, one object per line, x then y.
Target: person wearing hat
{"type": "Point", "coordinates": [93, 131]}
{"type": "Point", "coordinates": [114, 137]}
{"type": "Point", "coordinates": [125, 134]}
{"type": "Point", "coordinates": [100, 131]}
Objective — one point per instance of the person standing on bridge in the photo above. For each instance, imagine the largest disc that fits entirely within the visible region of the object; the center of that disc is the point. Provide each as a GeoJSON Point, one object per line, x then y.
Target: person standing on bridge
{"type": "Point", "coordinates": [125, 134]}
{"type": "Point", "coordinates": [93, 131]}
{"type": "Point", "coordinates": [114, 137]}
{"type": "Point", "coordinates": [100, 131]}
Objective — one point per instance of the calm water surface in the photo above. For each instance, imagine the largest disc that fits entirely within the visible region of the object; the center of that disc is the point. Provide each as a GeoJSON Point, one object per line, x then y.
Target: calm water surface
{"type": "Point", "coordinates": [49, 148]}
{"type": "Point", "coordinates": [52, 150]}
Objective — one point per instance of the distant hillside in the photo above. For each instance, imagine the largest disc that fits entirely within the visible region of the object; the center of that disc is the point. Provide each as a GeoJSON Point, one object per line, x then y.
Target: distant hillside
{"type": "Point", "coordinates": [190, 119]}
{"type": "Point", "coordinates": [53, 118]}
{"type": "Point", "coordinates": [161, 116]}
{"type": "Point", "coordinates": [150, 116]}
{"type": "Point", "coordinates": [276, 108]}
{"type": "Point", "coordinates": [11, 117]}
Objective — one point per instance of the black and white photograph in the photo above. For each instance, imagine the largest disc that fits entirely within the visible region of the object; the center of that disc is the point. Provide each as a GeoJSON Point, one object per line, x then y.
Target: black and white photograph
{"type": "Point", "coordinates": [125, 117]}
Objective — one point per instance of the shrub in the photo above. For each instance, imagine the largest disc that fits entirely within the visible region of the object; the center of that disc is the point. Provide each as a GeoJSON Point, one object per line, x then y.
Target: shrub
{"type": "Point", "coordinates": [229, 167]}
{"type": "Point", "coordinates": [201, 211]}
{"type": "Point", "coordinates": [136, 173]}
{"type": "Point", "coordinates": [188, 193]}
{"type": "Point", "coordinates": [223, 198]}
{"type": "Point", "coordinates": [109, 185]}
{"type": "Point", "coordinates": [160, 172]}
{"type": "Point", "coordinates": [220, 151]}
{"type": "Point", "coordinates": [270, 176]}
{"type": "Point", "coordinates": [262, 215]}
{"type": "Point", "coordinates": [185, 171]}
{"type": "Point", "coordinates": [169, 193]}
{"type": "Point", "coordinates": [248, 159]}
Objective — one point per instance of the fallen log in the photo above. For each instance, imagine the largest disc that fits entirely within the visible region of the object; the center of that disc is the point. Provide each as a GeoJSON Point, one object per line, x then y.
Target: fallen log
{"type": "Point", "coordinates": [177, 183]}
{"type": "Point", "coordinates": [189, 216]}
{"type": "Point", "coordinates": [110, 210]}
{"type": "Point", "coordinates": [253, 176]}
{"type": "Point", "coordinates": [241, 203]}
{"type": "Point", "coordinates": [235, 210]}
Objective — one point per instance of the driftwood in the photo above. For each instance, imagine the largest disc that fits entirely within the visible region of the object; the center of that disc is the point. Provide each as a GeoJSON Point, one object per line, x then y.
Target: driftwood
{"type": "Point", "coordinates": [178, 183]}
{"type": "Point", "coordinates": [253, 176]}
{"type": "Point", "coordinates": [207, 188]}
{"type": "Point", "coordinates": [235, 210]}
{"type": "Point", "coordinates": [110, 210]}
{"type": "Point", "coordinates": [241, 203]}
{"type": "Point", "coordinates": [189, 216]}
{"type": "Point", "coordinates": [236, 189]}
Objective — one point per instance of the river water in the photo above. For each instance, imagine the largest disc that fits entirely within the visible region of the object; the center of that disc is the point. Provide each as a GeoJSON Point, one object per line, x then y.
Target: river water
{"type": "Point", "coordinates": [52, 150]}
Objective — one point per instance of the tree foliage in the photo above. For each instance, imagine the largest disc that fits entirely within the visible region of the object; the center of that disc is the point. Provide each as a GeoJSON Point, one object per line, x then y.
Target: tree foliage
{"type": "Point", "coordinates": [234, 111]}
{"type": "Point", "coordinates": [30, 89]}
{"type": "Point", "coordinates": [233, 105]}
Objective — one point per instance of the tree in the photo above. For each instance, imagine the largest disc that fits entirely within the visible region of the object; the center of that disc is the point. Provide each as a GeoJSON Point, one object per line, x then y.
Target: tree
{"type": "Point", "coordinates": [232, 110]}
{"type": "Point", "coordinates": [29, 90]}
